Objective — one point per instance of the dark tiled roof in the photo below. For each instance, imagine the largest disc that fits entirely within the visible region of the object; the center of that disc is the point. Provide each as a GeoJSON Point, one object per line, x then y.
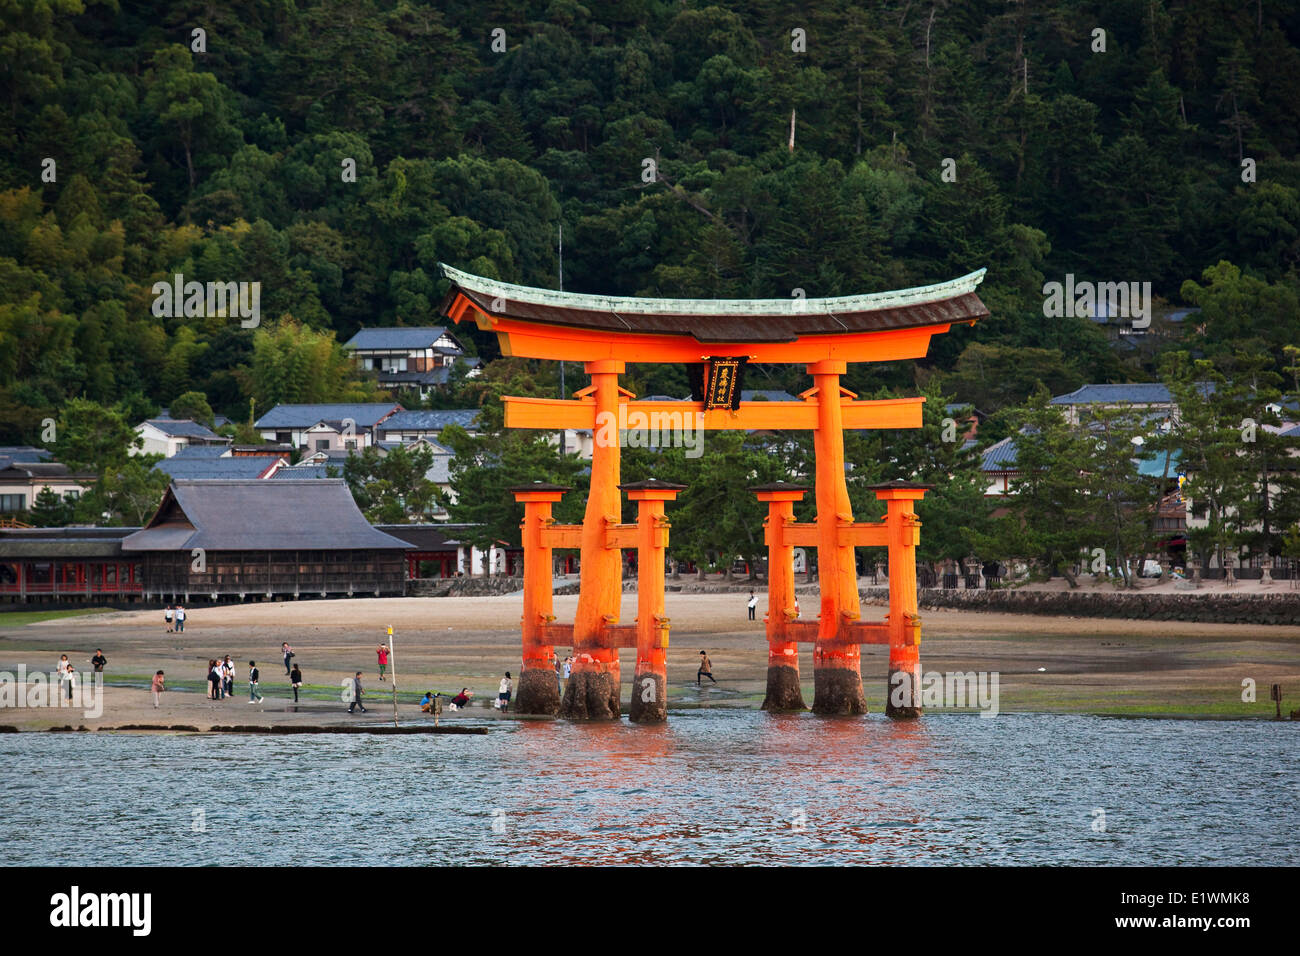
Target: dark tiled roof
{"type": "Point", "coordinates": [62, 542]}
{"type": "Point", "coordinates": [424, 537]}
{"type": "Point", "coordinates": [201, 451]}
{"type": "Point", "coordinates": [182, 428]}
{"type": "Point", "coordinates": [765, 395]}
{"type": "Point", "coordinates": [395, 339]}
{"type": "Point", "coordinates": [304, 416]}
{"type": "Point", "coordinates": [243, 466]}
{"type": "Point", "coordinates": [437, 376]}
{"type": "Point", "coordinates": [43, 469]}
{"type": "Point", "coordinates": [259, 516]}
{"type": "Point", "coordinates": [25, 453]}
{"type": "Point", "coordinates": [1000, 456]}
{"type": "Point", "coordinates": [466, 418]}
{"type": "Point", "coordinates": [305, 472]}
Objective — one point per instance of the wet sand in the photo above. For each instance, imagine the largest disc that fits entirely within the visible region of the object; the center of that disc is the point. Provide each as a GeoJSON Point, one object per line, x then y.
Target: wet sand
{"type": "Point", "coordinates": [1046, 664]}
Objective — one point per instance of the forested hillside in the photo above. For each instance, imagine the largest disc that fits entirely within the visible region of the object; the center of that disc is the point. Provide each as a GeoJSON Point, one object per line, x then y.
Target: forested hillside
{"type": "Point", "coordinates": [138, 149]}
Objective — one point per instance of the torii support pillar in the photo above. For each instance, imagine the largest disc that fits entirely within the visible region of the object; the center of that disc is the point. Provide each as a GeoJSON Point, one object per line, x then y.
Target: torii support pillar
{"type": "Point", "coordinates": [903, 692]}
{"type": "Point", "coordinates": [539, 691]}
{"type": "Point", "coordinates": [837, 671]}
{"type": "Point", "coordinates": [783, 690]}
{"type": "Point", "coordinates": [593, 689]}
{"type": "Point", "coordinates": [650, 682]}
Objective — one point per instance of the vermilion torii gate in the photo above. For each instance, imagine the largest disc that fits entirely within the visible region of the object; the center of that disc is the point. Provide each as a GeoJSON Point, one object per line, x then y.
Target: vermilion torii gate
{"type": "Point", "coordinates": [605, 333]}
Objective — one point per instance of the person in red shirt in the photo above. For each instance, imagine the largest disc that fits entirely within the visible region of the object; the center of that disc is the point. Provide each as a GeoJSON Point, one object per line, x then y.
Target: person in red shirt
{"type": "Point", "coordinates": [383, 659]}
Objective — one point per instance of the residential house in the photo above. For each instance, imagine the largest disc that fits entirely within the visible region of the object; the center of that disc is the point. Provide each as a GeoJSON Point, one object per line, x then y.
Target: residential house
{"type": "Point", "coordinates": [345, 425]}
{"type": "Point", "coordinates": [22, 481]}
{"type": "Point", "coordinates": [167, 436]}
{"type": "Point", "coordinates": [418, 359]}
{"type": "Point", "coordinates": [407, 426]}
{"type": "Point", "coordinates": [1150, 398]}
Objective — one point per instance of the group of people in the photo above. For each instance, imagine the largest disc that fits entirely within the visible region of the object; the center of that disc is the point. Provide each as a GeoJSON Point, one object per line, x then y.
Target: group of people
{"type": "Point", "coordinates": [67, 674]}
{"type": "Point", "coordinates": [221, 680]}
{"type": "Point", "coordinates": [175, 618]}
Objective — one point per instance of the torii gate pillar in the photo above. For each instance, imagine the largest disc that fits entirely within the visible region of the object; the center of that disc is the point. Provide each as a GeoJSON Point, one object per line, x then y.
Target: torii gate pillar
{"type": "Point", "coordinates": [539, 691]}
{"type": "Point", "coordinates": [783, 690]}
{"type": "Point", "coordinates": [650, 681]}
{"type": "Point", "coordinates": [593, 690]}
{"type": "Point", "coordinates": [837, 673]}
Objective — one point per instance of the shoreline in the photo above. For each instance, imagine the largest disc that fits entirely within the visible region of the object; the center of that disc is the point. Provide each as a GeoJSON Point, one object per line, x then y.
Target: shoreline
{"type": "Point", "coordinates": [1057, 664]}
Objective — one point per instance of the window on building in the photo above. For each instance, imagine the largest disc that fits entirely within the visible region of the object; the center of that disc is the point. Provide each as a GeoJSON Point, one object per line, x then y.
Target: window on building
{"type": "Point", "coordinates": [322, 444]}
{"type": "Point", "coordinates": [283, 438]}
{"type": "Point", "coordinates": [350, 444]}
{"type": "Point", "coordinates": [13, 503]}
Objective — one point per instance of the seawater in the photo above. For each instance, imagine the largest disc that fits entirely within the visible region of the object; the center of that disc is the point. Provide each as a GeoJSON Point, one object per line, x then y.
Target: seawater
{"type": "Point", "coordinates": [708, 787]}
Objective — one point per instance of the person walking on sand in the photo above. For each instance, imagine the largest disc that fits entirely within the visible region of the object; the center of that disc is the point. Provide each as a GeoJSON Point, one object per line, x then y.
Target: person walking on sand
{"type": "Point", "coordinates": [180, 618]}
{"type": "Point", "coordinates": [559, 680]}
{"type": "Point", "coordinates": [295, 678]}
{"type": "Point", "coordinates": [287, 651]}
{"type": "Point", "coordinates": [503, 692]}
{"type": "Point", "coordinates": [99, 660]}
{"type": "Point", "coordinates": [228, 677]}
{"type": "Point", "coordinates": [753, 603]}
{"type": "Point", "coordinates": [62, 669]}
{"type": "Point", "coordinates": [167, 616]}
{"type": "Point", "coordinates": [356, 694]}
{"type": "Point", "coordinates": [706, 669]}
{"type": "Point", "coordinates": [253, 677]}
{"type": "Point", "coordinates": [158, 688]}
{"type": "Point", "coordinates": [70, 677]}
{"type": "Point", "coordinates": [214, 680]}
{"type": "Point", "coordinates": [383, 659]}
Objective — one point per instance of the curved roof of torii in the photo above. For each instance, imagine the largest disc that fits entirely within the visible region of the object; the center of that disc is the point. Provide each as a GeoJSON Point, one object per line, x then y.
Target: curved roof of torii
{"type": "Point", "coordinates": [727, 320]}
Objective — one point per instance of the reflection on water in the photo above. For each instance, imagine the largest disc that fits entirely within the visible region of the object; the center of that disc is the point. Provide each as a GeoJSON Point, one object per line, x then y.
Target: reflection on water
{"type": "Point", "coordinates": [708, 787]}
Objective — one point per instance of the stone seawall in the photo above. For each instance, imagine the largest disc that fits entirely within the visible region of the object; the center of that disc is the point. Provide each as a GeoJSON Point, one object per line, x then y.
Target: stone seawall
{"type": "Point", "coordinates": [1280, 608]}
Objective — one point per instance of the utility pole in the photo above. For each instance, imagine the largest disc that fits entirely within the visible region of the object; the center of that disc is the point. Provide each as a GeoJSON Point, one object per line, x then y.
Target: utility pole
{"type": "Point", "coordinates": [392, 666]}
{"type": "Point", "coordinates": [562, 392]}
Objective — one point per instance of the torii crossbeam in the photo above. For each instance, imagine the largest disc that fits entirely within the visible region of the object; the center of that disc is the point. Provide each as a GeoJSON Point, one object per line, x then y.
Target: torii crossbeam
{"type": "Point", "coordinates": [604, 333]}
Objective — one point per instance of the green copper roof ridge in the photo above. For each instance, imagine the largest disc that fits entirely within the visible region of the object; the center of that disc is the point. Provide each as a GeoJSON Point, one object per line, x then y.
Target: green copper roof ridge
{"type": "Point", "coordinates": [633, 305]}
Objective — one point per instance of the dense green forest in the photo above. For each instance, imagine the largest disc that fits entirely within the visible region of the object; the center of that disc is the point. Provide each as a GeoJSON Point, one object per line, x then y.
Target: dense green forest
{"type": "Point", "coordinates": [478, 129]}
{"type": "Point", "coordinates": [336, 151]}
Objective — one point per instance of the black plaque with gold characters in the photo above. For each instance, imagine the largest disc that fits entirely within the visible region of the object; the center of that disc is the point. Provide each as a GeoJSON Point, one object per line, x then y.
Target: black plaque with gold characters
{"type": "Point", "coordinates": [722, 378]}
